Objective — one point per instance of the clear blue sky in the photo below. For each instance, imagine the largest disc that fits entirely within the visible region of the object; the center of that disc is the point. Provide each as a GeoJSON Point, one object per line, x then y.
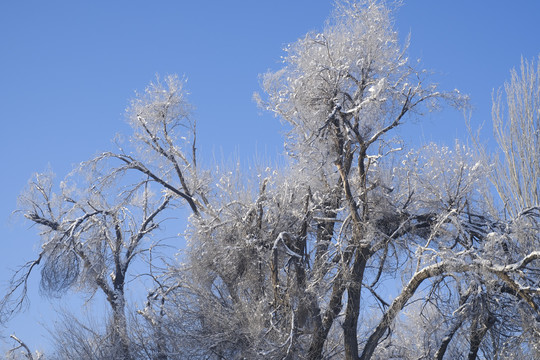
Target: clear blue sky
{"type": "Point", "coordinates": [69, 68]}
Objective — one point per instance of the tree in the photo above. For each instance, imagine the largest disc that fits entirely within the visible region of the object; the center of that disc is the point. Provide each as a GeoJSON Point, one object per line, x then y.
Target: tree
{"type": "Point", "coordinates": [102, 219]}
{"type": "Point", "coordinates": [514, 181]}
{"type": "Point", "coordinates": [343, 91]}
{"type": "Point", "coordinates": [516, 125]}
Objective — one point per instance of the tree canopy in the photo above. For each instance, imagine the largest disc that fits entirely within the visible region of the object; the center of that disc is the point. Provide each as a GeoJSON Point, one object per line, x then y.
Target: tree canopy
{"type": "Point", "coordinates": [300, 261]}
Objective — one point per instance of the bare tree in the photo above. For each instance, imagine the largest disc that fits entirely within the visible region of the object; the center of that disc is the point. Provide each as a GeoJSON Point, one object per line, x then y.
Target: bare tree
{"type": "Point", "coordinates": [516, 124]}
{"type": "Point", "coordinates": [102, 218]}
{"type": "Point", "coordinates": [514, 201]}
{"type": "Point", "coordinates": [343, 91]}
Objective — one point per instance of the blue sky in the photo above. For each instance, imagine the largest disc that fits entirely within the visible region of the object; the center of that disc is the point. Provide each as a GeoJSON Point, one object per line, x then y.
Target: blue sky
{"type": "Point", "coordinates": [69, 68]}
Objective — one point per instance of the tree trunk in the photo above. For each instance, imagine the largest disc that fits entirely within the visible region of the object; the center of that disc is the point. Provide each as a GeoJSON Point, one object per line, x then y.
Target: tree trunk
{"type": "Point", "coordinates": [350, 324]}
{"type": "Point", "coordinates": [439, 355]}
{"type": "Point", "coordinates": [119, 333]}
{"type": "Point", "coordinates": [478, 331]}
{"type": "Point", "coordinates": [322, 328]}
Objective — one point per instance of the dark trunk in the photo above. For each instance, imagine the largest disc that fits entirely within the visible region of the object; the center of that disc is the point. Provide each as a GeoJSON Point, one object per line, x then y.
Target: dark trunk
{"type": "Point", "coordinates": [323, 327]}
{"type": "Point", "coordinates": [446, 341]}
{"type": "Point", "coordinates": [453, 330]}
{"type": "Point", "coordinates": [350, 324]}
{"type": "Point", "coordinates": [119, 333]}
{"type": "Point", "coordinates": [478, 331]}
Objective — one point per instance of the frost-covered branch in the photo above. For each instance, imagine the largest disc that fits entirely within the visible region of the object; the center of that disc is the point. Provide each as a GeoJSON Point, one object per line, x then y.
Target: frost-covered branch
{"type": "Point", "coordinates": [137, 165]}
{"type": "Point", "coordinates": [21, 343]}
